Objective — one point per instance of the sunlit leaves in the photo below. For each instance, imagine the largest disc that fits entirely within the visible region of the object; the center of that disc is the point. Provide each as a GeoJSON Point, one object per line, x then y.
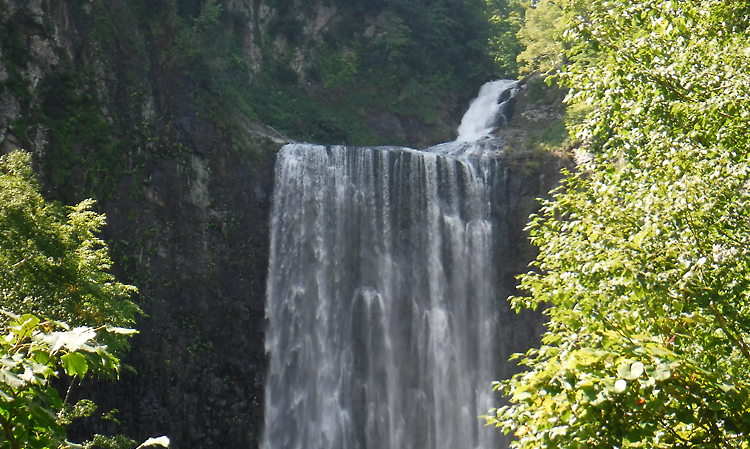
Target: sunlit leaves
{"type": "Point", "coordinates": [630, 371]}
{"type": "Point", "coordinates": [542, 21]}
{"type": "Point", "coordinates": [74, 364]}
{"type": "Point", "coordinates": [52, 262]}
{"type": "Point", "coordinates": [33, 352]}
{"type": "Point", "coordinates": [161, 441]}
{"type": "Point", "coordinates": [644, 251]}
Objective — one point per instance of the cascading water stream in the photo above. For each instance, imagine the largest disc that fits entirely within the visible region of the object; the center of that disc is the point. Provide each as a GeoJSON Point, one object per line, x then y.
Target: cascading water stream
{"type": "Point", "coordinates": [489, 110]}
{"type": "Point", "coordinates": [382, 293]}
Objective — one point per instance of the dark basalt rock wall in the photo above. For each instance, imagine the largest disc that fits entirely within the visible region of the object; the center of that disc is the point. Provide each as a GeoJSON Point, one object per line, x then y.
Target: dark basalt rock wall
{"type": "Point", "coordinates": [199, 357]}
{"type": "Point", "coordinates": [187, 211]}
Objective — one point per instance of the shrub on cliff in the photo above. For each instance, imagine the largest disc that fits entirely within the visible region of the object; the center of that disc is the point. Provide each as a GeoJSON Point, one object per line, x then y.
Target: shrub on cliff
{"type": "Point", "coordinates": [644, 256]}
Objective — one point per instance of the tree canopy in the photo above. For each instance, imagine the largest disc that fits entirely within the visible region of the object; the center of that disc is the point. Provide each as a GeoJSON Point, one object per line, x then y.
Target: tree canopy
{"type": "Point", "coordinates": [543, 23]}
{"type": "Point", "coordinates": [52, 263]}
{"type": "Point", "coordinates": [60, 311]}
{"type": "Point", "coordinates": [644, 249]}
{"type": "Point", "coordinates": [32, 413]}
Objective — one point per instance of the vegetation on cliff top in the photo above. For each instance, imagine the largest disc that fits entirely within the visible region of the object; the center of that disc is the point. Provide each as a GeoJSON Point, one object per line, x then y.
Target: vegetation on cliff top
{"type": "Point", "coordinates": [403, 57]}
{"type": "Point", "coordinates": [644, 256]}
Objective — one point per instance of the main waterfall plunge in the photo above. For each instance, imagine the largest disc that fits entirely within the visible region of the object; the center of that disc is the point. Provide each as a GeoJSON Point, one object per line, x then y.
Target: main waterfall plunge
{"type": "Point", "coordinates": [383, 292]}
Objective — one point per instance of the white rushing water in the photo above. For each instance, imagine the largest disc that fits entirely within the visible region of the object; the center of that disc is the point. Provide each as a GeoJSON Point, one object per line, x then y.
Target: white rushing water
{"type": "Point", "coordinates": [490, 109]}
{"type": "Point", "coordinates": [382, 297]}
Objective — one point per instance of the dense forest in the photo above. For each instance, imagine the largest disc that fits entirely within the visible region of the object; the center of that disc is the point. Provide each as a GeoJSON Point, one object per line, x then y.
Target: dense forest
{"type": "Point", "coordinates": [168, 113]}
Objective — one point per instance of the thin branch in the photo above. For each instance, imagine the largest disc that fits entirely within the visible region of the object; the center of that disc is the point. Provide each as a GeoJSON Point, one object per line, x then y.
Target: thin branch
{"type": "Point", "coordinates": [7, 424]}
{"type": "Point", "coordinates": [672, 431]}
{"type": "Point", "coordinates": [725, 327]}
{"type": "Point", "coordinates": [70, 387]}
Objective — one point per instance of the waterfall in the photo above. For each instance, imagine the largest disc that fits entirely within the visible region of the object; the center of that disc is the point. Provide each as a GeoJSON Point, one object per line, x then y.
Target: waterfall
{"type": "Point", "coordinates": [489, 110]}
{"type": "Point", "coordinates": [383, 295]}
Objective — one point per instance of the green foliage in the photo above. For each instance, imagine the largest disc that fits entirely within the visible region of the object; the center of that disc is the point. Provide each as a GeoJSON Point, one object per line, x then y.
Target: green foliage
{"type": "Point", "coordinates": [643, 257]}
{"type": "Point", "coordinates": [13, 45]}
{"type": "Point", "coordinates": [540, 35]}
{"type": "Point", "coordinates": [299, 116]}
{"type": "Point", "coordinates": [443, 44]}
{"type": "Point", "coordinates": [72, 112]}
{"type": "Point", "coordinates": [32, 414]}
{"type": "Point", "coordinates": [544, 32]}
{"type": "Point", "coordinates": [407, 57]}
{"type": "Point", "coordinates": [53, 265]}
{"type": "Point", "coordinates": [335, 69]}
{"type": "Point", "coordinates": [209, 16]}
{"type": "Point", "coordinates": [540, 92]}
{"type": "Point", "coordinates": [51, 261]}
{"type": "Point", "coordinates": [505, 45]}
{"type": "Point", "coordinates": [555, 135]}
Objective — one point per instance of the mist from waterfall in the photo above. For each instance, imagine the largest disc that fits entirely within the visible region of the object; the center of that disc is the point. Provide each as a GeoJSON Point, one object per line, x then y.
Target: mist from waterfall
{"type": "Point", "coordinates": [382, 293]}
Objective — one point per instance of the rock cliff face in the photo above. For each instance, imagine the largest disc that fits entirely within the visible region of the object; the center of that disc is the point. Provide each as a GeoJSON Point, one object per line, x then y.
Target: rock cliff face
{"type": "Point", "coordinates": [115, 102]}
{"type": "Point", "coordinates": [94, 97]}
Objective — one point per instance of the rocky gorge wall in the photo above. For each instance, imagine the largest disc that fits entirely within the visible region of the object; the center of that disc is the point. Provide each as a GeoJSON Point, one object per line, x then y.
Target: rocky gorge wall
{"type": "Point", "coordinates": [116, 101]}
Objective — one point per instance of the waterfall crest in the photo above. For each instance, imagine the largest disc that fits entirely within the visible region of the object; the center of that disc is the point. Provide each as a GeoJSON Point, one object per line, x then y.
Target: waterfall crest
{"type": "Point", "coordinates": [382, 296]}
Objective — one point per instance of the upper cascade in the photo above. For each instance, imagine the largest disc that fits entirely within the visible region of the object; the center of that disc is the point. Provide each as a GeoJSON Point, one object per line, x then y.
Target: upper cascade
{"type": "Point", "coordinates": [490, 109]}
{"type": "Point", "coordinates": [487, 111]}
